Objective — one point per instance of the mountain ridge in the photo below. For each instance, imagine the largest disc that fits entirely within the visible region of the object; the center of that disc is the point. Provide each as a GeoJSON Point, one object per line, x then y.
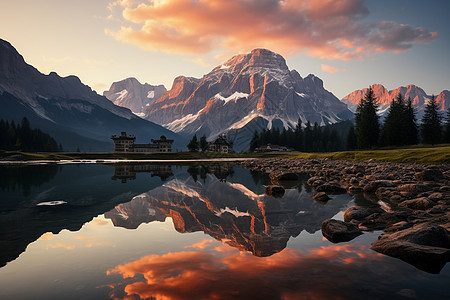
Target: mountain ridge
{"type": "Point", "coordinates": [384, 97]}
{"type": "Point", "coordinates": [65, 108]}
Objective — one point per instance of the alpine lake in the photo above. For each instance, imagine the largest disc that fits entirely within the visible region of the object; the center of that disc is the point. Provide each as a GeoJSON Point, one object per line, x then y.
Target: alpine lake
{"type": "Point", "coordinates": [174, 231]}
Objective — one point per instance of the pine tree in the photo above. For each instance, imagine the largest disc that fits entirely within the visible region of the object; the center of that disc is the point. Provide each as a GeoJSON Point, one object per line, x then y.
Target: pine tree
{"type": "Point", "coordinates": [351, 138]}
{"type": "Point", "coordinates": [203, 144]}
{"type": "Point", "coordinates": [193, 144]}
{"type": "Point", "coordinates": [394, 123]}
{"type": "Point", "coordinates": [410, 130]}
{"type": "Point", "coordinates": [431, 123]}
{"type": "Point", "coordinates": [254, 143]}
{"type": "Point", "coordinates": [367, 125]}
{"type": "Point", "coordinates": [447, 127]}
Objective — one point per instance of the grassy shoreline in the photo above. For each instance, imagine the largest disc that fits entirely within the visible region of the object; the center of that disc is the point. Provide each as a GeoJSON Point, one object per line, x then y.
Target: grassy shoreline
{"type": "Point", "coordinates": [433, 155]}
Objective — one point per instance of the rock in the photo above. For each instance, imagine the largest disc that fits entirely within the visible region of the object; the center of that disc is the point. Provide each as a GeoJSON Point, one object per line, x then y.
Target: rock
{"type": "Point", "coordinates": [330, 188]}
{"type": "Point", "coordinates": [397, 226]}
{"type": "Point", "coordinates": [359, 213]}
{"type": "Point", "coordinates": [321, 197]}
{"type": "Point", "coordinates": [355, 189]}
{"type": "Point", "coordinates": [275, 191]}
{"type": "Point", "coordinates": [287, 176]}
{"type": "Point", "coordinates": [371, 187]}
{"type": "Point", "coordinates": [338, 231]}
{"type": "Point", "coordinates": [435, 196]}
{"type": "Point", "coordinates": [422, 203]}
{"type": "Point", "coordinates": [379, 221]}
{"type": "Point", "coordinates": [413, 188]}
{"type": "Point", "coordinates": [354, 170]}
{"type": "Point", "coordinates": [425, 246]}
{"type": "Point", "coordinates": [429, 175]}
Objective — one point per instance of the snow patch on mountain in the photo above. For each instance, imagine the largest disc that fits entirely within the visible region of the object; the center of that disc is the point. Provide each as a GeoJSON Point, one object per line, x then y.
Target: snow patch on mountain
{"type": "Point", "coordinates": [235, 96]}
{"type": "Point", "coordinates": [151, 94]}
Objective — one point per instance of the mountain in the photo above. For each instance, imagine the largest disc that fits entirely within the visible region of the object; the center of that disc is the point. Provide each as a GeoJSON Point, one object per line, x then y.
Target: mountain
{"type": "Point", "coordinates": [132, 94]}
{"type": "Point", "coordinates": [65, 108]}
{"type": "Point", "coordinates": [384, 97]}
{"type": "Point", "coordinates": [249, 91]}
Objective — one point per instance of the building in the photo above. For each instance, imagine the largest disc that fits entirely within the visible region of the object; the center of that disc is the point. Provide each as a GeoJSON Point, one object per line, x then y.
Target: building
{"type": "Point", "coordinates": [271, 147]}
{"type": "Point", "coordinates": [220, 145]}
{"type": "Point", "coordinates": [125, 144]}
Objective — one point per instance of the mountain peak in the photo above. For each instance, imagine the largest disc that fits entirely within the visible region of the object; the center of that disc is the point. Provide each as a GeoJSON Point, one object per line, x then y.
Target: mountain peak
{"type": "Point", "coordinates": [257, 58]}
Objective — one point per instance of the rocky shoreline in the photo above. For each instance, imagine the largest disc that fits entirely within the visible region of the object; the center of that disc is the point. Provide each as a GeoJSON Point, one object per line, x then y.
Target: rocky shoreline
{"type": "Point", "coordinates": [415, 221]}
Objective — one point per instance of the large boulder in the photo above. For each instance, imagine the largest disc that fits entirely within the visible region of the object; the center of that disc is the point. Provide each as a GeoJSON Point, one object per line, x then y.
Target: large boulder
{"type": "Point", "coordinates": [372, 186]}
{"type": "Point", "coordinates": [338, 231]}
{"type": "Point", "coordinates": [429, 175]}
{"type": "Point", "coordinates": [422, 203]}
{"type": "Point", "coordinates": [331, 188]}
{"type": "Point", "coordinates": [358, 213]}
{"type": "Point", "coordinates": [425, 246]}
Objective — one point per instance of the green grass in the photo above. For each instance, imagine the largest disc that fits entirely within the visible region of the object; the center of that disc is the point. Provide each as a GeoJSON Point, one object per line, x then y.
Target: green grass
{"type": "Point", "coordinates": [434, 155]}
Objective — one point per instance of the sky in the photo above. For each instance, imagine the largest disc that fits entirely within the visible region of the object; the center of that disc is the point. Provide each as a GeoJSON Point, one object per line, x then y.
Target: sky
{"type": "Point", "coordinates": [349, 44]}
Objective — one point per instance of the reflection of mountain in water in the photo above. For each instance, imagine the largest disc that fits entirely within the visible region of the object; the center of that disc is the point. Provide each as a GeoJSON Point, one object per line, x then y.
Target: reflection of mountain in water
{"type": "Point", "coordinates": [234, 214]}
{"type": "Point", "coordinates": [132, 214]}
{"type": "Point", "coordinates": [87, 189]}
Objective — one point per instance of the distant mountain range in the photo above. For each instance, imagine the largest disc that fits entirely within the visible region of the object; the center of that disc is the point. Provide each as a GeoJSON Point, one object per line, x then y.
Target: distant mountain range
{"type": "Point", "coordinates": [250, 91]}
{"type": "Point", "coordinates": [384, 97]}
{"type": "Point", "coordinates": [130, 93]}
{"type": "Point", "coordinates": [70, 111]}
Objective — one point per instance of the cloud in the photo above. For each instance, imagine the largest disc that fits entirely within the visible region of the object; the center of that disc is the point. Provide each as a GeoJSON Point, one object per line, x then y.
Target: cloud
{"type": "Point", "coordinates": [289, 274]}
{"type": "Point", "coordinates": [331, 69]}
{"type": "Point", "coordinates": [331, 29]}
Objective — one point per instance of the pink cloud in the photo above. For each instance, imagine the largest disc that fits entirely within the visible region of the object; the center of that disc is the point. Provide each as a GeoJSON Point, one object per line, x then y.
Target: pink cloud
{"type": "Point", "coordinates": [331, 29]}
{"type": "Point", "coordinates": [330, 69]}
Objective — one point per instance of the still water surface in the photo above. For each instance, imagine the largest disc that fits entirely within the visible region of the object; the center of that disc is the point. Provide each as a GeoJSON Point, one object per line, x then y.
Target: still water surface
{"type": "Point", "coordinates": [141, 231]}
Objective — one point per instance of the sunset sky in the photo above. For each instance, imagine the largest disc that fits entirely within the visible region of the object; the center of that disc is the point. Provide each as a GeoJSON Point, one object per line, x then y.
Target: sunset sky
{"type": "Point", "coordinates": [350, 44]}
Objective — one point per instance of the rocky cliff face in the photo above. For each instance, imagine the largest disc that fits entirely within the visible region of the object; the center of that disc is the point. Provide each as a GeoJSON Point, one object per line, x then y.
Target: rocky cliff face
{"type": "Point", "coordinates": [384, 97]}
{"type": "Point", "coordinates": [246, 87]}
{"type": "Point", "coordinates": [130, 93]}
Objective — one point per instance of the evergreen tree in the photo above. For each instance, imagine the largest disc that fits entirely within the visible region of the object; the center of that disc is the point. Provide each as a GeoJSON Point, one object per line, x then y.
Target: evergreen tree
{"type": "Point", "coordinates": [298, 141]}
{"type": "Point", "coordinates": [410, 129]}
{"type": "Point", "coordinates": [394, 123]}
{"type": "Point", "coordinates": [367, 125]}
{"type": "Point", "coordinates": [203, 144]}
{"type": "Point", "coordinates": [193, 144]}
{"type": "Point", "coordinates": [447, 127]}
{"type": "Point", "coordinates": [254, 143]}
{"type": "Point", "coordinates": [308, 137]}
{"type": "Point", "coordinates": [431, 123]}
{"type": "Point", "coordinates": [351, 139]}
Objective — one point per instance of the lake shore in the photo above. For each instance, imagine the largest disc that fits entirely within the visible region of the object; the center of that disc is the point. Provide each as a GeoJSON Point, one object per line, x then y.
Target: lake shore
{"type": "Point", "coordinates": [415, 203]}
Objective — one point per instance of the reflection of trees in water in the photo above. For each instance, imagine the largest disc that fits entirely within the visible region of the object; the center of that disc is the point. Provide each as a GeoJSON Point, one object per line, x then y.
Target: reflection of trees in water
{"type": "Point", "coordinates": [220, 171]}
{"type": "Point", "coordinates": [25, 177]}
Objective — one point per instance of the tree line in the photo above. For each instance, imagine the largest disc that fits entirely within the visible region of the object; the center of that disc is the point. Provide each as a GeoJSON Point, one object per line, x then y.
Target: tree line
{"type": "Point", "coordinates": [311, 138]}
{"type": "Point", "coordinates": [400, 128]}
{"type": "Point", "coordinates": [22, 137]}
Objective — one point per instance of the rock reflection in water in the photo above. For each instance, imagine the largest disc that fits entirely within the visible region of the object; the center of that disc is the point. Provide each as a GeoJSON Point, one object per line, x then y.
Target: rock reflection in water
{"type": "Point", "coordinates": [230, 212]}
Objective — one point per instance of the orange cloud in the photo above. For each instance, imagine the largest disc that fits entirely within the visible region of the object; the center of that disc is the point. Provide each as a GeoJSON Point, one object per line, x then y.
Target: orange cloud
{"type": "Point", "coordinates": [331, 29]}
{"type": "Point", "coordinates": [331, 69]}
{"type": "Point", "coordinates": [289, 274]}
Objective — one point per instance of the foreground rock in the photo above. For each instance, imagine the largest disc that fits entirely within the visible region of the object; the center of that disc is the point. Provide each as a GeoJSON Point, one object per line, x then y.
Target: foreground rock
{"type": "Point", "coordinates": [415, 197]}
{"type": "Point", "coordinates": [338, 231]}
{"type": "Point", "coordinates": [426, 246]}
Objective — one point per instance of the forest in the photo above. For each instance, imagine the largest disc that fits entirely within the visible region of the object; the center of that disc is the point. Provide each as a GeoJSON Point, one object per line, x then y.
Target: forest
{"type": "Point", "coordinates": [21, 137]}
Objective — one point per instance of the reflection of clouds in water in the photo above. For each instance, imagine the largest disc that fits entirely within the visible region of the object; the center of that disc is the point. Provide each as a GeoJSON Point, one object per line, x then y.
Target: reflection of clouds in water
{"type": "Point", "coordinates": [99, 222]}
{"type": "Point", "coordinates": [46, 236]}
{"type": "Point", "coordinates": [200, 245]}
{"type": "Point", "coordinates": [327, 272]}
